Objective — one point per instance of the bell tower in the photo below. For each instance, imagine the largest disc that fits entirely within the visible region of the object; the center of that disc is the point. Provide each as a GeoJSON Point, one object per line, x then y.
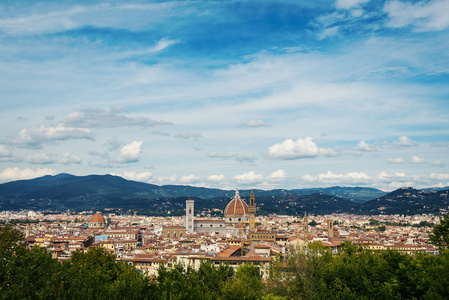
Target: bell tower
{"type": "Point", "coordinates": [330, 229]}
{"type": "Point", "coordinates": [306, 228]}
{"type": "Point", "coordinates": [189, 215]}
{"type": "Point", "coordinates": [252, 212]}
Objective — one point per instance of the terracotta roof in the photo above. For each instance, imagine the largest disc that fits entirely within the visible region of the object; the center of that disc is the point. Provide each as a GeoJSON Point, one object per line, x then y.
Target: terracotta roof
{"type": "Point", "coordinates": [97, 218]}
{"type": "Point", "coordinates": [229, 251]}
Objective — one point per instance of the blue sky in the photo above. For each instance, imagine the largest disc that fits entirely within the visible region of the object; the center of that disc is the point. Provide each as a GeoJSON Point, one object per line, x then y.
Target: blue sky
{"type": "Point", "coordinates": [227, 94]}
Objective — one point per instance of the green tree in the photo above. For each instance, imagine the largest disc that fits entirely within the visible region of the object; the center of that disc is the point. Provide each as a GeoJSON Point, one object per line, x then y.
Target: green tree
{"type": "Point", "coordinates": [300, 276]}
{"type": "Point", "coordinates": [96, 275]}
{"type": "Point", "coordinates": [313, 223]}
{"type": "Point", "coordinates": [180, 282]}
{"type": "Point", "coordinates": [25, 273]}
{"type": "Point", "coordinates": [381, 228]}
{"type": "Point", "coordinates": [440, 234]}
{"type": "Point", "coordinates": [374, 222]}
{"type": "Point", "coordinates": [246, 285]}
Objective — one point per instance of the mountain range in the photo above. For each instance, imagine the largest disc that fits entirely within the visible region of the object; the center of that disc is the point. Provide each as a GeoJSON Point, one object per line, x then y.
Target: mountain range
{"type": "Point", "coordinates": [98, 192]}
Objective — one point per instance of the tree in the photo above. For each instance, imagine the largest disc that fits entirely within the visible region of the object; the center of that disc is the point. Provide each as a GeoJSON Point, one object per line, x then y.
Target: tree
{"type": "Point", "coordinates": [96, 275]}
{"type": "Point", "coordinates": [440, 234]}
{"type": "Point", "coordinates": [313, 223]}
{"type": "Point", "coordinates": [25, 273]}
{"type": "Point", "coordinates": [300, 276]}
{"type": "Point", "coordinates": [246, 285]}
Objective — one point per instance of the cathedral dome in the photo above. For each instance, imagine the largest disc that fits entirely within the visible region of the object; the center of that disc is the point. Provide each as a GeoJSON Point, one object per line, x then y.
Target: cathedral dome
{"type": "Point", "coordinates": [236, 207]}
{"type": "Point", "coordinates": [97, 218]}
{"type": "Point", "coordinates": [97, 221]}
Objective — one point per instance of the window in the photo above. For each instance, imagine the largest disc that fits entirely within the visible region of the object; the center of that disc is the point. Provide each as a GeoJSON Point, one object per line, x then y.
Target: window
{"type": "Point", "coordinates": [174, 234]}
{"type": "Point", "coordinates": [168, 234]}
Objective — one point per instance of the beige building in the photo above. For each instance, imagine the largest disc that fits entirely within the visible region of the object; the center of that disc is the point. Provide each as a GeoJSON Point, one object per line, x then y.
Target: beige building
{"type": "Point", "coordinates": [173, 231]}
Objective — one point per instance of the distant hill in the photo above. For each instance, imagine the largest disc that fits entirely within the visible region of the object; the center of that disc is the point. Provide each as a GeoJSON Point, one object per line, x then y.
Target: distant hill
{"type": "Point", "coordinates": [98, 192]}
{"type": "Point", "coordinates": [317, 203]}
{"type": "Point", "coordinates": [356, 194]}
{"type": "Point", "coordinates": [408, 201]}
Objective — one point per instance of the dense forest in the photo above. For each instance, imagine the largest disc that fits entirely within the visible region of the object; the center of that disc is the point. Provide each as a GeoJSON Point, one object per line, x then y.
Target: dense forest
{"type": "Point", "coordinates": [309, 273]}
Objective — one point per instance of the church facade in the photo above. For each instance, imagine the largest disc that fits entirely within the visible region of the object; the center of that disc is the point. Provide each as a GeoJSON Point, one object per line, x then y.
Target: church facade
{"type": "Point", "coordinates": [236, 219]}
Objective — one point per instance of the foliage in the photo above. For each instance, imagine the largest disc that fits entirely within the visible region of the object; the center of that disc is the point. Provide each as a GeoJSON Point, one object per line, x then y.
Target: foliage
{"type": "Point", "coordinates": [25, 273]}
{"type": "Point", "coordinates": [210, 282]}
{"type": "Point", "coordinates": [381, 228]}
{"type": "Point", "coordinates": [440, 234]}
{"type": "Point", "coordinates": [310, 272]}
{"type": "Point", "coordinates": [313, 223]}
{"type": "Point", "coordinates": [357, 273]}
{"type": "Point", "coordinates": [247, 284]}
{"type": "Point", "coordinates": [373, 222]}
{"type": "Point", "coordinates": [95, 273]}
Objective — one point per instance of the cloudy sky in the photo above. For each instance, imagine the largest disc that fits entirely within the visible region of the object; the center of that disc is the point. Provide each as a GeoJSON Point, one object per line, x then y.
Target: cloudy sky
{"type": "Point", "coordinates": [227, 94]}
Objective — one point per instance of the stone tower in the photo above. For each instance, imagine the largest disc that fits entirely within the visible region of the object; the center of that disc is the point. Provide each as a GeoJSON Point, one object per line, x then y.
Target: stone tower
{"type": "Point", "coordinates": [252, 212]}
{"type": "Point", "coordinates": [189, 215]}
{"type": "Point", "coordinates": [306, 228]}
{"type": "Point", "coordinates": [330, 229]}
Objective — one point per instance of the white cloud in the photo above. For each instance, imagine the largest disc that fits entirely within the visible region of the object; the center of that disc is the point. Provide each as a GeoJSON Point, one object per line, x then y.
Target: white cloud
{"type": "Point", "coordinates": [12, 174]}
{"type": "Point", "coordinates": [248, 178]}
{"type": "Point", "coordinates": [277, 176]}
{"type": "Point", "coordinates": [417, 160]}
{"type": "Point", "coordinates": [423, 15]}
{"type": "Point", "coordinates": [436, 176]}
{"type": "Point", "coordinates": [328, 32]}
{"type": "Point", "coordinates": [437, 163]}
{"type": "Point", "coordinates": [34, 137]}
{"type": "Point", "coordinates": [404, 141]}
{"type": "Point", "coordinates": [246, 158]}
{"type": "Point", "coordinates": [68, 159]}
{"type": "Point", "coordinates": [101, 15]}
{"type": "Point", "coordinates": [189, 179]}
{"type": "Point", "coordinates": [188, 135]}
{"type": "Point", "coordinates": [222, 155]}
{"type": "Point", "coordinates": [108, 118]}
{"type": "Point", "coordinates": [255, 124]}
{"type": "Point", "coordinates": [131, 152]}
{"type": "Point", "coordinates": [6, 155]}
{"type": "Point", "coordinates": [365, 147]}
{"type": "Point", "coordinates": [40, 158]}
{"type": "Point", "coordinates": [331, 178]}
{"type": "Point", "coordinates": [216, 178]}
{"type": "Point", "coordinates": [395, 160]}
{"type": "Point", "coordinates": [398, 176]}
{"type": "Point", "coordinates": [239, 157]}
{"type": "Point", "coordinates": [347, 4]}
{"type": "Point", "coordinates": [168, 180]}
{"type": "Point", "coordinates": [4, 152]}
{"type": "Point", "coordinates": [131, 175]}
{"type": "Point", "coordinates": [161, 133]}
{"type": "Point", "coordinates": [290, 149]}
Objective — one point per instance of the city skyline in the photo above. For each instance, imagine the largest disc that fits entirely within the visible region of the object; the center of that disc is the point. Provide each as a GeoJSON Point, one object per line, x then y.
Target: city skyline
{"type": "Point", "coordinates": [264, 94]}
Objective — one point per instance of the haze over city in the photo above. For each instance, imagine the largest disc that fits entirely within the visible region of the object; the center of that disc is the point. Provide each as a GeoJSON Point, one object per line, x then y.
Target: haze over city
{"type": "Point", "coordinates": [226, 94]}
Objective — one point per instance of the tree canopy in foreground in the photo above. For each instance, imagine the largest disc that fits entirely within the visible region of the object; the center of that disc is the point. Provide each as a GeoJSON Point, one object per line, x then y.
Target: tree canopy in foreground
{"type": "Point", "coordinates": [307, 273]}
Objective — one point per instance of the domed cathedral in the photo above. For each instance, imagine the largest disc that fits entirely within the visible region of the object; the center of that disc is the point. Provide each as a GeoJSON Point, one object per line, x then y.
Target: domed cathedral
{"type": "Point", "coordinates": [97, 221]}
{"type": "Point", "coordinates": [236, 214]}
{"type": "Point", "coordinates": [236, 211]}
